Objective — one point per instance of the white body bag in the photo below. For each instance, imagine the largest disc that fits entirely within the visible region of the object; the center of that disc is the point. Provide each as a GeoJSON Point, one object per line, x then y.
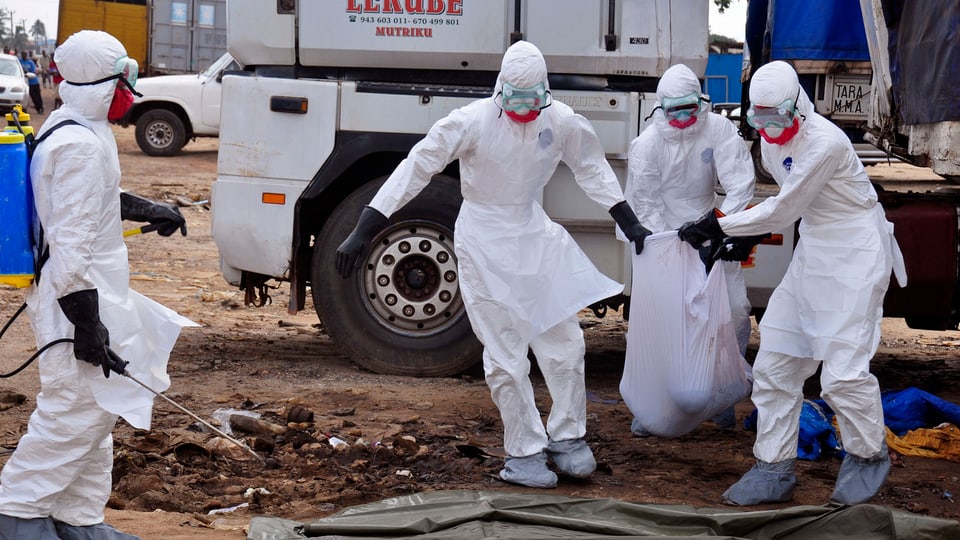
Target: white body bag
{"type": "Point", "coordinates": [683, 365]}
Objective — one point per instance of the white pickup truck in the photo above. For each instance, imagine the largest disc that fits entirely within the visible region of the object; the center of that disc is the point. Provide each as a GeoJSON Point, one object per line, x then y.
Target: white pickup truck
{"type": "Point", "coordinates": [175, 109]}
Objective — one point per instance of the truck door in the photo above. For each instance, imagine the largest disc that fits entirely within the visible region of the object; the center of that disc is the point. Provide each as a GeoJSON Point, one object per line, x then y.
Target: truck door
{"type": "Point", "coordinates": [212, 90]}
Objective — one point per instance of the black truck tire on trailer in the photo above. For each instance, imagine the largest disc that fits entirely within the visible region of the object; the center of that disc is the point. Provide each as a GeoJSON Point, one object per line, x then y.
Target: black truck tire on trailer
{"type": "Point", "coordinates": [401, 312]}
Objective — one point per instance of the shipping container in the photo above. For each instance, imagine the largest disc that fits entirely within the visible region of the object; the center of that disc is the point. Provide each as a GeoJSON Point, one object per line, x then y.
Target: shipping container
{"type": "Point", "coordinates": [163, 36]}
{"type": "Point", "coordinates": [186, 36]}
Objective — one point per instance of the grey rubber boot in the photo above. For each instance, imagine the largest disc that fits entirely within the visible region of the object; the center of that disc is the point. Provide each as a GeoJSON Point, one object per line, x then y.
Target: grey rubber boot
{"type": "Point", "coordinates": [637, 428]}
{"type": "Point", "coordinates": [573, 457]}
{"type": "Point", "coordinates": [764, 483]}
{"type": "Point", "coordinates": [530, 471]}
{"type": "Point", "coordinates": [860, 478]}
{"type": "Point", "coordinates": [14, 528]}
{"type": "Point", "coordinates": [100, 531]}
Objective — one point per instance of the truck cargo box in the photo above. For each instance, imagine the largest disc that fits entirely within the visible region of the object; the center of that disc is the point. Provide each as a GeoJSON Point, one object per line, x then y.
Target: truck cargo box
{"type": "Point", "coordinates": [625, 37]}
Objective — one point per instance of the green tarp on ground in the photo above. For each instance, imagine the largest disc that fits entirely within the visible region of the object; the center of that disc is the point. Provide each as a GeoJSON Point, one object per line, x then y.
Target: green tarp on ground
{"type": "Point", "coordinates": [475, 515]}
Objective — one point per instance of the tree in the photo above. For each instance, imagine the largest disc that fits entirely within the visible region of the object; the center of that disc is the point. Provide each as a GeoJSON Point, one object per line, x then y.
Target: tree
{"type": "Point", "coordinates": [722, 4]}
{"type": "Point", "coordinates": [39, 33]}
{"type": "Point", "coordinates": [4, 17]}
{"type": "Point", "coordinates": [20, 37]}
{"type": "Point", "coordinates": [723, 44]}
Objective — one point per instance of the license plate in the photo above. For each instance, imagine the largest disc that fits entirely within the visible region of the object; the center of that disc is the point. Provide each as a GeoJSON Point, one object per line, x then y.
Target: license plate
{"type": "Point", "coordinates": [850, 98]}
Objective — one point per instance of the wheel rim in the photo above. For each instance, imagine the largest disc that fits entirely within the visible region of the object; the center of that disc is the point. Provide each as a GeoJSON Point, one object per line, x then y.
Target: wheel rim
{"type": "Point", "coordinates": [410, 280]}
{"type": "Point", "coordinates": [159, 134]}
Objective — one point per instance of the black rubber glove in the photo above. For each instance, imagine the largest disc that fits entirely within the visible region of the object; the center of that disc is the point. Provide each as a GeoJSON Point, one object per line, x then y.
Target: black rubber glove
{"type": "Point", "coordinates": [708, 255]}
{"type": "Point", "coordinates": [90, 336]}
{"type": "Point", "coordinates": [166, 217]}
{"type": "Point", "coordinates": [705, 229]}
{"type": "Point", "coordinates": [739, 248]}
{"type": "Point", "coordinates": [627, 221]}
{"type": "Point", "coordinates": [348, 254]}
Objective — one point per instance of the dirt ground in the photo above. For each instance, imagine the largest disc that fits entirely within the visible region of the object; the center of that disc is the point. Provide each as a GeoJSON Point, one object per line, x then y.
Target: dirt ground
{"type": "Point", "coordinates": [402, 435]}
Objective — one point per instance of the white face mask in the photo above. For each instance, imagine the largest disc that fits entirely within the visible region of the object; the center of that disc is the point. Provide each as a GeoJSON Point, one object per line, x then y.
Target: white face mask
{"type": "Point", "coordinates": [773, 132]}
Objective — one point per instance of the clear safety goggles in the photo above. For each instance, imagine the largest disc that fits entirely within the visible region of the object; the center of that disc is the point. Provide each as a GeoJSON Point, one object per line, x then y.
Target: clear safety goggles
{"type": "Point", "coordinates": [523, 100]}
{"type": "Point", "coordinates": [781, 116]}
{"type": "Point", "coordinates": [126, 70]}
{"type": "Point", "coordinates": [681, 108]}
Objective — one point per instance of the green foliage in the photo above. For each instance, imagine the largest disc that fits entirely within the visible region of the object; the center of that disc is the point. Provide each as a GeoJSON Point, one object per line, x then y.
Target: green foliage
{"type": "Point", "coordinates": [38, 31]}
{"type": "Point", "coordinates": [722, 4]}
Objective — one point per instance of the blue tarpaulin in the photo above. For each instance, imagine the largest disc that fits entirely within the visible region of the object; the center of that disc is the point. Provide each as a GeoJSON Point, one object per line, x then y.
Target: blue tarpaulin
{"type": "Point", "coordinates": [903, 410]}
{"type": "Point", "coordinates": [924, 59]}
{"type": "Point", "coordinates": [821, 30]}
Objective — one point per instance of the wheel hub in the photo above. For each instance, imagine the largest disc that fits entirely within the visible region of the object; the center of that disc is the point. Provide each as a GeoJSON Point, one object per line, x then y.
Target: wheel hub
{"type": "Point", "coordinates": [159, 134]}
{"type": "Point", "coordinates": [410, 279]}
{"type": "Point", "coordinates": [415, 279]}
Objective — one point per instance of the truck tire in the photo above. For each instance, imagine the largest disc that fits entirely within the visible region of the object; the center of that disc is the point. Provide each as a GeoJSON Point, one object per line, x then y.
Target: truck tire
{"type": "Point", "coordinates": [401, 312]}
{"type": "Point", "coordinates": [160, 132]}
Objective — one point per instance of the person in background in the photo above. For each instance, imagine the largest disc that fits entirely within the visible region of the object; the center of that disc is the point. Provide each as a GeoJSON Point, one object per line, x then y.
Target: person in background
{"type": "Point", "coordinates": [44, 64]}
{"type": "Point", "coordinates": [33, 81]}
{"type": "Point", "coordinates": [56, 79]}
{"type": "Point", "coordinates": [673, 169]}
{"type": "Point", "coordinates": [56, 483]}
{"type": "Point", "coordinates": [827, 310]}
{"type": "Point", "coordinates": [522, 276]}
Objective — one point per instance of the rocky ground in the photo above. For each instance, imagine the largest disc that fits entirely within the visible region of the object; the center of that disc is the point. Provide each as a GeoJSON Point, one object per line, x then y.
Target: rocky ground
{"type": "Point", "coordinates": [399, 435]}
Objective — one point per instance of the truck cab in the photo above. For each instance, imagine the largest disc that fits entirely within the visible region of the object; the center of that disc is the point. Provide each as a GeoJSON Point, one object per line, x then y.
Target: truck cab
{"type": "Point", "coordinates": [334, 95]}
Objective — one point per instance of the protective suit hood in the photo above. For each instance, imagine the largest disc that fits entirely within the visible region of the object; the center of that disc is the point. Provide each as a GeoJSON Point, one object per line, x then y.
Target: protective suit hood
{"type": "Point", "coordinates": [522, 66]}
{"type": "Point", "coordinates": [87, 56]}
{"type": "Point", "coordinates": [677, 81]}
{"type": "Point", "coordinates": [775, 83]}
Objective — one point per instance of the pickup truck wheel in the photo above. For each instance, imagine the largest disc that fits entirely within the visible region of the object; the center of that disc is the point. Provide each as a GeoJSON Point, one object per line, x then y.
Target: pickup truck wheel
{"type": "Point", "coordinates": [401, 312]}
{"type": "Point", "coordinates": [160, 133]}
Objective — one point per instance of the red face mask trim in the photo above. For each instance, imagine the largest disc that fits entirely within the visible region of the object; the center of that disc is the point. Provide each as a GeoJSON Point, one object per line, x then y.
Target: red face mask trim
{"type": "Point", "coordinates": [681, 124]}
{"type": "Point", "coordinates": [784, 137]}
{"type": "Point", "coordinates": [122, 101]}
{"type": "Point", "coordinates": [523, 118]}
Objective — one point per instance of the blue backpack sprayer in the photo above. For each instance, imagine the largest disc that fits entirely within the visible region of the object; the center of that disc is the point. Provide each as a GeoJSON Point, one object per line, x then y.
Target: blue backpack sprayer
{"type": "Point", "coordinates": [17, 257]}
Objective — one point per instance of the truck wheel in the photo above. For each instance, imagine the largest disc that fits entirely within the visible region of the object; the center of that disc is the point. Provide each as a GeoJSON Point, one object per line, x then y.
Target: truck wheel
{"type": "Point", "coordinates": [160, 133]}
{"type": "Point", "coordinates": [763, 175]}
{"type": "Point", "coordinates": [401, 312]}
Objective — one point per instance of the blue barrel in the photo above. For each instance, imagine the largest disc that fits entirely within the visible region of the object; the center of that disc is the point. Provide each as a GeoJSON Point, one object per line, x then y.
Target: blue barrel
{"type": "Point", "coordinates": [16, 212]}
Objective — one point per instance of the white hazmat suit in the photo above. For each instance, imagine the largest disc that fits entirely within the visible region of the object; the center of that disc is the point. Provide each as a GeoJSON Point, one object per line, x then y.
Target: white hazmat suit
{"type": "Point", "coordinates": [672, 179]}
{"type": "Point", "coordinates": [522, 276]}
{"type": "Point", "coordinates": [61, 470]}
{"type": "Point", "coordinates": [829, 306]}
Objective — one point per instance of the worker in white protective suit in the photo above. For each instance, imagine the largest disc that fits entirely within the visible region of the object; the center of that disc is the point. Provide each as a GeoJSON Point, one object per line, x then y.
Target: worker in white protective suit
{"type": "Point", "coordinates": [57, 482]}
{"type": "Point", "coordinates": [673, 169]}
{"type": "Point", "coordinates": [827, 310]}
{"type": "Point", "coordinates": [522, 277]}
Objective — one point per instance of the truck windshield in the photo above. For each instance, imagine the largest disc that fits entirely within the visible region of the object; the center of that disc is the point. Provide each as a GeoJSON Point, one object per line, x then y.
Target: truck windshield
{"type": "Point", "coordinates": [224, 62]}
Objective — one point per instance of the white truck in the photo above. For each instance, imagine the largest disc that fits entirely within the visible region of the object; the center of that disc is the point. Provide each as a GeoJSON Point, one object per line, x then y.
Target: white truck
{"type": "Point", "coordinates": [176, 109]}
{"type": "Point", "coordinates": [333, 96]}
